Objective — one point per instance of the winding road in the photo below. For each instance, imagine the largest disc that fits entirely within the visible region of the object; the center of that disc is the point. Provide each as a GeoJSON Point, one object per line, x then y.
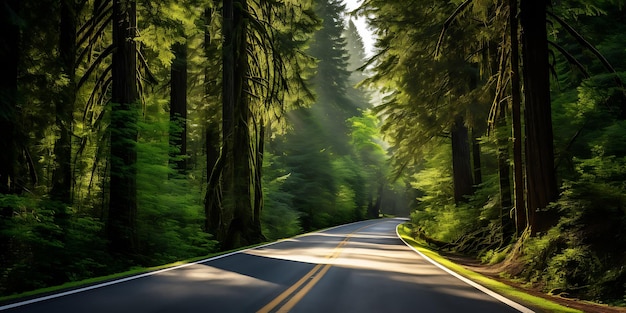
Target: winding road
{"type": "Point", "coordinates": [360, 267]}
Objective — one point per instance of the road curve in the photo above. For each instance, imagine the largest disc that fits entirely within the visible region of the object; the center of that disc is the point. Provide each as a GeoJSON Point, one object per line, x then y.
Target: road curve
{"type": "Point", "coordinates": [359, 267]}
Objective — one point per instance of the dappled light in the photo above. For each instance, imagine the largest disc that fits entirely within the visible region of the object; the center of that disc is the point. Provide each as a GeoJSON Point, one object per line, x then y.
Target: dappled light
{"type": "Point", "coordinates": [136, 134]}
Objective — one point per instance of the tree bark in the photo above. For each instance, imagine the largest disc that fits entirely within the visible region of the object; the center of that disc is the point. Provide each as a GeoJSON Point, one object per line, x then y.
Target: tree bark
{"type": "Point", "coordinates": [122, 215]}
{"type": "Point", "coordinates": [9, 145]}
{"type": "Point", "coordinates": [237, 210]}
{"type": "Point", "coordinates": [9, 60]}
{"type": "Point", "coordinates": [212, 199]}
{"type": "Point", "coordinates": [62, 175]}
{"type": "Point", "coordinates": [540, 173]}
{"type": "Point", "coordinates": [521, 213]}
{"type": "Point", "coordinates": [504, 173]}
{"type": "Point", "coordinates": [478, 174]}
{"type": "Point", "coordinates": [258, 176]}
{"type": "Point", "coordinates": [461, 164]}
{"type": "Point", "coordinates": [178, 108]}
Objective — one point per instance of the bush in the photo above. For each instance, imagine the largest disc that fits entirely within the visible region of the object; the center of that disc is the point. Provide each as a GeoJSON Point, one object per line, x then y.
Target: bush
{"type": "Point", "coordinates": [583, 255]}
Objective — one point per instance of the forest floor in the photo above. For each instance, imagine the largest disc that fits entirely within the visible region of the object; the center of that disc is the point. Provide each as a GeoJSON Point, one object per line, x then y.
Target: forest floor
{"type": "Point", "coordinates": [493, 272]}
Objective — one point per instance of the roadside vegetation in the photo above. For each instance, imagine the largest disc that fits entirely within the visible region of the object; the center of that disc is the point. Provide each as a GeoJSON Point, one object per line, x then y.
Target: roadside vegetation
{"type": "Point", "coordinates": [510, 131]}
{"type": "Point", "coordinates": [407, 233]}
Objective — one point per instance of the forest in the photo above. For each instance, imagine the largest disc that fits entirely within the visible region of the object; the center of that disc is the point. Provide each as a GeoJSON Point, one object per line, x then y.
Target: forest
{"type": "Point", "coordinates": [137, 133]}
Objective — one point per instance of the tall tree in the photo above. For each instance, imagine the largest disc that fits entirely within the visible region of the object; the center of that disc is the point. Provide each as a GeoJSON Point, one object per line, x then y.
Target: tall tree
{"type": "Point", "coordinates": [521, 213]}
{"type": "Point", "coordinates": [178, 107]}
{"type": "Point", "coordinates": [332, 78]}
{"type": "Point", "coordinates": [461, 161]}
{"type": "Point", "coordinates": [122, 215]}
{"type": "Point", "coordinates": [540, 172]}
{"type": "Point", "coordinates": [356, 61]}
{"type": "Point", "coordinates": [236, 175]}
{"type": "Point", "coordinates": [9, 110]}
{"type": "Point", "coordinates": [212, 199]}
{"type": "Point", "coordinates": [9, 58]}
{"type": "Point", "coordinates": [62, 175]}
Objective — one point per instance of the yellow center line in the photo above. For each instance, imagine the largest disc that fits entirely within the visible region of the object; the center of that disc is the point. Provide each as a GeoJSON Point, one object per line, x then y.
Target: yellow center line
{"type": "Point", "coordinates": [296, 291]}
{"type": "Point", "coordinates": [268, 307]}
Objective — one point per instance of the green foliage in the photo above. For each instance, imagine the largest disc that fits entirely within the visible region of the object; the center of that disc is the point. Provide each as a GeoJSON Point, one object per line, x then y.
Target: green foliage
{"type": "Point", "coordinates": [435, 179]}
{"type": "Point", "coordinates": [494, 256]}
{"type": "Point", "coordinates": [436, 212]}
{"type": "Point", "coordinates": [169, 205]}
{"type": "Point", "coordinates": [50, 244]}
{"type": "Point", "coordinates": [575, 257]}
{"type": "Point", "coordinates": [279, 218]}
{"type": "Point", "coordinates": [349, 196]}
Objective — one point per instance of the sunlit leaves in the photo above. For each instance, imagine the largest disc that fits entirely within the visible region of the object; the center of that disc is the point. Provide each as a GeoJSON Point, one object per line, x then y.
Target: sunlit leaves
{"type": "Point", "coordinates": [163, 23]}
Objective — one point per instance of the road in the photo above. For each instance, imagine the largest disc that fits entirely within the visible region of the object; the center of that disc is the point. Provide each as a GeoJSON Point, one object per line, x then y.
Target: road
{"type": "Point", "coordinates": [360, 267]}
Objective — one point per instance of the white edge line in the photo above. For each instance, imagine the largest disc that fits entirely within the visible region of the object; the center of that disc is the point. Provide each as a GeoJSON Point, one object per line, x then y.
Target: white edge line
{"type": "Point", "coordinates": [486, 290]}
{"type": "Point", "coordinates": [122, 280]}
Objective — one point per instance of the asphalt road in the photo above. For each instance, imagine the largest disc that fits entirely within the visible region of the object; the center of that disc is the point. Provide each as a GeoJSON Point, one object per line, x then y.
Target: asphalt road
{"type": "Point", "coordinates": [361, 267]}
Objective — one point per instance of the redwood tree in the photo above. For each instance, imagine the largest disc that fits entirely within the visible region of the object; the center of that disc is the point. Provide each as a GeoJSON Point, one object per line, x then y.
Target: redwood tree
{"type": "Point", "coordinates": [541, 183]}
{"type": "Point", "coordinates": [237, 211]}
{"type": "Point", "coordinates": [122, 215]}
{"type": "Point", "coordinates": [9, 60]}
{"type": "Point", "coordinates": [62, 175]}
{"type": "Point", "coordinates": [461, 161]}
{"type": "Point", "coordinates": [178, 107]}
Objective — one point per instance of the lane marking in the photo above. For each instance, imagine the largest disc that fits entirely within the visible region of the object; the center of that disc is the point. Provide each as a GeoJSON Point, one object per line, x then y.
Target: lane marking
{"type": "Point", "coordinates": [130, 278]}
{"type": "Point", "coordinates": [122, 280]}
{"type": "Point", "coordinates": [290, 290]}
{"type": "Point", "coordinates": [485, 290]}
{"type": "Point", "coordinates": [297, 291]}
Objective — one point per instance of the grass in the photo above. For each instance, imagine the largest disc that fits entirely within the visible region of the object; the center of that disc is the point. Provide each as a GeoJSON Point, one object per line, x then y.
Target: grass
{"type": "Point", "coordinates": [503, 289]}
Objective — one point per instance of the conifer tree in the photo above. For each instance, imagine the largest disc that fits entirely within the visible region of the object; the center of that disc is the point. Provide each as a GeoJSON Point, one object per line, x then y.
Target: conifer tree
{"type": "Point", "coordinates": [9, 112]}
{"type": "Point", "coordinates": [62, 173]}
{"type": "Point", "coordinates": [122, 215]}
{"type": "Point", "coordinates": [10, 57]}
{"type": "Point", "coordinates": [263, 72]}
{"type": "Point", "coordinates": [178, 107]}
{"type": "Point", "coordinates": [540, 173]}
{"type": "Point", "coordinates": [332, 79]}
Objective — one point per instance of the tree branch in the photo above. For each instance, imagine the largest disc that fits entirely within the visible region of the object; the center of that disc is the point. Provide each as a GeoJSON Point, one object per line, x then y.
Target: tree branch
{"type": "Point", "coordinates": [448, 22]}
{"type": "Point", "coordinates": [570, 58]}
{"type": "Point", "coordinates": [94, 65]}
{"type": "Point", "coordinates": [583, 42]}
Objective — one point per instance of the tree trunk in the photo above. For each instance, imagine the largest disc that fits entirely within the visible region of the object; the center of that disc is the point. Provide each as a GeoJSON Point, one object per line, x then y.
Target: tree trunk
{"type": "Point", "coordinates": [461, 165]}
{"type": "Point", "coordinates": [62, 175]}
{"type": "Point", "coordinates": [521, 213]}
{"type": "Point", "coordinates": [212, 199]}
{"type": "Point", "coordinates": [9, 60]}
{"type": "Point", "coordinates": [237, 175]}
{"type": "Point", "coordinates": [540, 173]}
{"type": "Point", "coordinates": [9, 145]}
{"type": "Point", "coordinates": [178, 108]}
{"type": "Point", "coordinates": [478, 174]}
{"type": "Point", "coordinates": [504, 173]}
{"type": "Point", "coordinates": [122, 216]}
{"type": "Point", "coordinates": [258, 177]}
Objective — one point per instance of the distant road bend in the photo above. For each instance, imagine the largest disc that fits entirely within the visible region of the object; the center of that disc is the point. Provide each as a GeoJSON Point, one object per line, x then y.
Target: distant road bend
{"type": "Point", "coordinates": [359, 267]}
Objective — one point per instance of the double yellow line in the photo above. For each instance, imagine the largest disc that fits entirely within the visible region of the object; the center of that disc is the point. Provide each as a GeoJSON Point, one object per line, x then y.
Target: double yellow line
{"type": "Point", "coordinates": [290, 297]}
